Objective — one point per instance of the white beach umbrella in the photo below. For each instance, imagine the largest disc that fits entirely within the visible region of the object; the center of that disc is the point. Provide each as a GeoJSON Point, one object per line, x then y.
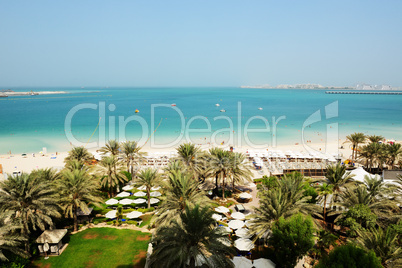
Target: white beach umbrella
{"type": "Point", "coordinates": [155, 194]}
{"type": "Point", "coordinates": [216, 217]}
{"type": "Point", "coordinates": [123, 194]}
{"type": "Point", "coordinates": [235, 224]}
{"type": "Point", "coordinates": [154, 201]}
{"type": "Point", "coordinates": [111, 214]}
{"type": "Point", "coordinates": [222, 209]}
{"type": "Point", "coordinates": [243, 233]}
{"type": "Point", "coordinates": [134, 214]}
{"type": "Point", "coordinates": [112, 202]}
{"type": "Point", "coordinates": [126, 201]}
{"type": "Point", "coordinates": [238, 216]}
{"type": "Point", "coordinates": [263, 263]}
{"type": "Point", "coordinates": [244, 244]}
{"type": "Point", "coordinates": [242, 262]}
{"type": "Point", "coordinates": [155, 188]}
{"type": "Point", "coordinates": [139, 201]}
{"type": "Point", "coordinates": [128, 187]}
{"type": "Point", "coordinates": [245, 196]}
{"type": "Point", "coordinates": [140, 194]}
{"type": "Point", "coordinates": [142, 188]}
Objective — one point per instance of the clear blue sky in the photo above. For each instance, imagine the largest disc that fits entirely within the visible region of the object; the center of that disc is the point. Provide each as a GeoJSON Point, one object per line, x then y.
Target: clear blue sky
{"type": "Point", "coordinates": [199, 43]}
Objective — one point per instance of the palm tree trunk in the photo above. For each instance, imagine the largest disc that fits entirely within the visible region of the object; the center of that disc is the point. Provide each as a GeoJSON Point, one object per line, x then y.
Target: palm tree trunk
{"type": "Point", "coordinates": [24, 233]}
{"type": "Point", "coordinates": [75, 218]}
{"type": "Point", "coordinates": [353, 152]}
{"type": "Point", "coordinates": [223, 187]}
{"type": "Point", "coordinates": [148, 195]}
{"type": "Point", "coordinates": [325, 210]}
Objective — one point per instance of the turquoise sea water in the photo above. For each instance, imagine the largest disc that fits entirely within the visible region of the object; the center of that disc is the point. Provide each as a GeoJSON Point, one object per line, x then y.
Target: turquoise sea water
{"type": "Point", "coordinates": [29, 123]}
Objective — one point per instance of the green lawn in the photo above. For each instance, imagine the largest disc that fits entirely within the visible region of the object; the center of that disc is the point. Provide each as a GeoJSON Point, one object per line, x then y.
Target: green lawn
{"type": "Point", "coordinates": [102, 247]}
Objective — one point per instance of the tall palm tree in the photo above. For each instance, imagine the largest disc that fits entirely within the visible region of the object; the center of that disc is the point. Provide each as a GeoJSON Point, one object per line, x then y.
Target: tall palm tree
{"type": "Point", "coordinates": [31, 202]}
{"type": "Point", "coordinates": [220, 165]}
{"type": "Point", "coordinates": [282, 201]}
{"type": "Point", "coordinates": [108, 170]}
{"type": "Point", "coordinates": [181, 191]}
{"type": "Point", "coordinates": [77, 189]}
{"type": "Point", "coordinates": [394, 152]}
{"type": "Point", "coordinates": [192, 242]}
{"type": "Point", "coordinates": [384, 243]}
{"type": "Point", "coordinates": [355, 139]}
{"type": "Point", "coordinates": [148, 177]}
{"type": "Point", "coordinates": [10, 238]}
{"type": "Point", "coordinates": [375, 138]}
{"type": "Point", "coordinates": [240, 170]}
{"type": "Point", "coordinates": [339, 179]}
{"type": "Point", "coordinates": [78, 153]}
{"type": "Point", "coordinates": [189, 154]}
{"type": "Point", "coordinates": [374, 153]}
{"type": "Point", "coordinates": [324, 190]}
{"type": "Point", "coordinates": [132, 155]}
{"type": "Point", "coordinates": [112, 147]}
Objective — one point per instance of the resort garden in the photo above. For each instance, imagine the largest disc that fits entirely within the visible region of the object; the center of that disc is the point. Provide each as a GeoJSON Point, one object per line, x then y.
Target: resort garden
{"type": "Point", "coordinates": [192, 209]}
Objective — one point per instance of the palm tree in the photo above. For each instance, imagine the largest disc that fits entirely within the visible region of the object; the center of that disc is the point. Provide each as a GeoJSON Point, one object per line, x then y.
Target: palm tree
{"type": "Point", "coordinates": [381, 207]}
{"type": "Point", "coordinates": [192, 242]}
{"type": "Point", "coordinates": [148, 177]}
{"type": "Point", "coordinates": [373, 153]}
{"type": "Point", "coordinates": [375, 138]}
{"type": "Point", "coordinates": [394, 152]}
{"type": "Point", "coordinates": [355, 139]}
{"type": "Point", "coordinates": [46, 174]}
{"type": "Point", "coordinates": [384, 243]}
{"type": "Point", "coordinates": [75, 164]}
{"type": "Point", "coordinates": [188, 154]}
{"type": "Point", "coordinates": [10, 239]}
{"type": "Point", "coordinates": [78, 153]}
{"type": "Point", "coordinates": [220, 166]}
{"type": "Point", "coordinates": [181, 191]}
{"type": "Point", "coordinates": [30, 201]}
{"type": "Point", "coordinates": [339, 179]}
{"type": "Point", "coordinates": [282, 201]}
{"type": "Point", "coordinates": [324, 191]}
{"type": "Point", "coordinates": [240, 170]}
{"type": "Point", "coordinates": [132, 154]}
{"type": "Point", "coordinates": [112, 147]}
{"type": "Point", "coordinates": [108, 169]}
{"type": "Point", "coordinates": [174, 166]}
{"type": "Point", "coordinates": [377, 187]}
{"type": "Point", "coordinates": [77, 189]}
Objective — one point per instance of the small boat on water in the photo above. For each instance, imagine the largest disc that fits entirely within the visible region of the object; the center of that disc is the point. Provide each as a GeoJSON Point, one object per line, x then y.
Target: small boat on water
{"type": "Point", "coordinates": [223, 110]}
{"type": "Point", "coordinates": [173, 104]}
{"type": "Point", "coordinates": [217, 105]}
{"type": "Point", "coordinates": [259, 108]}
{"type": "Point", "coordinates": [137, 111]}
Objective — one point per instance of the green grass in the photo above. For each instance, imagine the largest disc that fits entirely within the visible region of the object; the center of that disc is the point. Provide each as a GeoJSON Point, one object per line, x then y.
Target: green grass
{"type": "Point", "coordinates": [101, 247]}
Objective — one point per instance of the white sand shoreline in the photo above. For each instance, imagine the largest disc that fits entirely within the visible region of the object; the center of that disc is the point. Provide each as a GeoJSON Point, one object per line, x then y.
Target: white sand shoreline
{"type": "Point", "coordinates": [13, 162]}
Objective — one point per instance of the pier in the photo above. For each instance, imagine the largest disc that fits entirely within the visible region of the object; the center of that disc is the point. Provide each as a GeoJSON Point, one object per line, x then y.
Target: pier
{"type": "Point", "coordinates": [364, 93]}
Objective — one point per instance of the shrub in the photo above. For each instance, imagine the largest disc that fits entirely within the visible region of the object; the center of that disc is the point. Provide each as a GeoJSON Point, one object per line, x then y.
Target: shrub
{"type": "Point", "coordinates": [350, 256]}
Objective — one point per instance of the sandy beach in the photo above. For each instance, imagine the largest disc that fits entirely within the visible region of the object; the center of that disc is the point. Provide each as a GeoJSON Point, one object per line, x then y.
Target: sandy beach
{"type": "Point", "coordinates": [29, 162]}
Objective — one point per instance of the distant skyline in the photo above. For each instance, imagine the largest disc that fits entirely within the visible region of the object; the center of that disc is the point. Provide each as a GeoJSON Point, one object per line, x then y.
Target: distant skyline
{"type": "Point", "coordinates": [199, 43]}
